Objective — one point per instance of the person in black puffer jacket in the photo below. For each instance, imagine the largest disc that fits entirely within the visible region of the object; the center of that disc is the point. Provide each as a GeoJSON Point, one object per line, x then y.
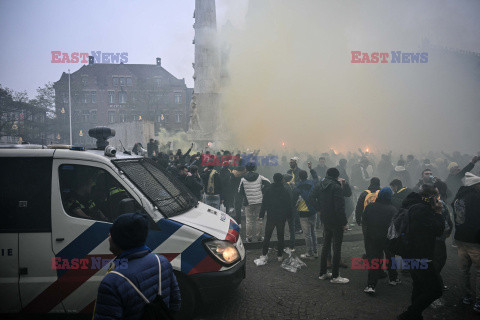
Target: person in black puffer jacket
{"type": "Point", "coordinates": [425, 224]}
{"type": "Point", "coordinates": [327, 197]}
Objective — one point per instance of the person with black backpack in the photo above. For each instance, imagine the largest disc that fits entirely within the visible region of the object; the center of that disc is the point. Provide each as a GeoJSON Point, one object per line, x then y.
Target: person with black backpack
{"type": "Point", "coordinates": [425, 223]}
{"type": "Point", "coordinates": [142, 285]}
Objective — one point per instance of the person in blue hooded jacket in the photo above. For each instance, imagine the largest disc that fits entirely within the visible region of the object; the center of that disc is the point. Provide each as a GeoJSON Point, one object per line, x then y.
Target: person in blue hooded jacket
{"type": "Point", "coordinates": [117, 299]}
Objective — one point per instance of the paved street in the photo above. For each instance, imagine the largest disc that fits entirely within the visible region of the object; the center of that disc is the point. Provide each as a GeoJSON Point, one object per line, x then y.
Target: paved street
{"type": "Point", "coordinates": [270, 292]}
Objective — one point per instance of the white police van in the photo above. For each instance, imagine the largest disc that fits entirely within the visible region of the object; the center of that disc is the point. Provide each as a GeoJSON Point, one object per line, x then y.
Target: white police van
{"type": "Point", "coordinates": [57, 205]}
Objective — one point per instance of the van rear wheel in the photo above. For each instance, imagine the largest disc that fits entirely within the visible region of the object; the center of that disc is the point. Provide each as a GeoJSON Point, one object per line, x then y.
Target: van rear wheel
{"type": "Point", "coordinates": [189, 299]}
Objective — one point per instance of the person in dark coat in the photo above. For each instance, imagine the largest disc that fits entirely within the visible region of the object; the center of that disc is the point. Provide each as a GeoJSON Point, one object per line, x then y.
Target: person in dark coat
{"type": "Point", "coordinates": [454, 179]}
{"type": "Point", "coordinates": [117, 299]}
{"type": "Point", "coordinates": [226, 177]}
{"type": "Point", "coordinates": [289, 186]}
{"type": "Point", "coordinates": [277, 204]}
{"type": "Point", "coordinates": [212, 184]}
{"type": "Point", "coordinates": [321, 168]}
{"type": "Point", "coordinates": [399, 193]}
{"type": "Point", "coordinates": [425, 224]}
{"type": "Point", "coordinates": [194, 182]}
{"type": "Point", "coordinates": [467, 236]}
{"type": "Point", "coordinates": [294, 169]}
{"type": "Point", "coordinates": [360, 207]}
{"type": "Point", "coordinates": [327, 197]}
{"type": "Point", "coordinates": [376, 220]}
{"type": "Point", "coordinates": [349, 202]}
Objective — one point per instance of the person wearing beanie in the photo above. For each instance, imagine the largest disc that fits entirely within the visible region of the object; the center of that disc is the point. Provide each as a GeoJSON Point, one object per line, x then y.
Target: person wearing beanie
{"type": "Point", "coordinates": [466, 208]}
{"type": "Point", "coordinates": [277, 205]}
{"type": "Point", "coordinates": [376, 220]}
{"type": "Point", "coordinates": [327, 197]}
{"type": "Point", "coordinates": [117, 298]}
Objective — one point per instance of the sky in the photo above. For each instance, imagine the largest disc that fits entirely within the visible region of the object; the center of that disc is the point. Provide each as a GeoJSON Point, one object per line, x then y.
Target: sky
{"type": "Point", "coordinates": [291, 78]}
{"type": "Point", "coordinates": [146, 29]}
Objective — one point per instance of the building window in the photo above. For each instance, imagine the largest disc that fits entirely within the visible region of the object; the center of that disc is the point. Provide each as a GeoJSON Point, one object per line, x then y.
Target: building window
{"type": "Point", "coordinates": [84, 80]}
{"type": "Point", "coordinates": [158, 81]}
{"type": "Point", "coordinates": [122, 81]}
{"type": "Point", "coordinates": [178, 98]}
{"type": "Point", "coordinates": [85, 115]}
{"type": "Point", "coordinates": [115, 81]}
{"type": "Point", "coordinates": [86, 97]}
{"type": "Point", "coordinates": [122, 116]}
{"type": "Point", "coordinates": [76, 116]}
{"type": "Point", "coordinates": [111, 96]}
{"type": "Point", "coordinates": [111, 116]}
{"type": "Point", "coordinates": [94, 96]}
{"type": "Point", "coordinates": [93, 115]}
{"type": "Point", "coordinates": [178, 117]}
{"type": "Point", "coordinates": [122, 97]}
{"type": "Point", "coordinates": [129, 82]}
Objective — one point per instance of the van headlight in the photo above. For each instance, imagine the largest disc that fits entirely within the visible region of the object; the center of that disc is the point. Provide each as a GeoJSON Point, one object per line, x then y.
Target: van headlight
{"type": "Point", "coordinates": [223, 250]}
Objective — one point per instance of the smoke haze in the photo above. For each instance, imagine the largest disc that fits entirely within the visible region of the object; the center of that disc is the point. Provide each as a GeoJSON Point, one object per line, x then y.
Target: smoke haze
{"type": "Point", "coordinates": [291, 78]}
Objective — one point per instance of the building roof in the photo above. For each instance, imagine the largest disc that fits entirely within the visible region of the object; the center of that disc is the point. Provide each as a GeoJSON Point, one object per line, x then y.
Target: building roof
{"type": "Point", "coordinates": [140, 71]}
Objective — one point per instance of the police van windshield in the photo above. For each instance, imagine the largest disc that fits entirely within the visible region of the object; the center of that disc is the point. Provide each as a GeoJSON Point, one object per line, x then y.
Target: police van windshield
{"type": "Point", "coordinates": [162, 189]}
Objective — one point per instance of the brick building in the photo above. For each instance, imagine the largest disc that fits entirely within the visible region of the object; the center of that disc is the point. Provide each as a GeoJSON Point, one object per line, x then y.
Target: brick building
{"type": "Point", "coordinates": [104, 94]}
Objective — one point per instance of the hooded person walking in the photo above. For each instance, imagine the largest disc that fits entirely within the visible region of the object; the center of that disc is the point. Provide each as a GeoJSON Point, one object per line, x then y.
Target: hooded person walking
{"type": "Point", "coordinates": [376, 220]}
{"type": "Point", "coordinates": [117, 298]}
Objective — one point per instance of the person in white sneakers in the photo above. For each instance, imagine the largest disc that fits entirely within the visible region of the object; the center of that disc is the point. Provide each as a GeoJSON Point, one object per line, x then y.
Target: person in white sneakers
{"type": "Point", "coordinates": [277, 204]}
{"type": "Point", "coordinates": [327, 198]}
{"type": "Point", "coordinates": [250, 189]}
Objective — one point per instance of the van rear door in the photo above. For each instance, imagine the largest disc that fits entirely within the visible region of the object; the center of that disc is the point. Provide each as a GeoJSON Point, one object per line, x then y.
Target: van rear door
{"type": "Point", "coordinates": [27, 200]}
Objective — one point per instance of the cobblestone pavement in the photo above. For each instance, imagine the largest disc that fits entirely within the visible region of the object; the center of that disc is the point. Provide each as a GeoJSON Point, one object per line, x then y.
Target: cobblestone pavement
{"type": "Point", "coordinates": [270, 292]}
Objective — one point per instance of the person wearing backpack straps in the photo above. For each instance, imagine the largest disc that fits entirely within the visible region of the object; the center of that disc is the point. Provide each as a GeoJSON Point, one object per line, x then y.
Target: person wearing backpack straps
{"type": "Point", "coordinates": [362, 202]}
{"type": "Point", "coordinates": [140, 275]}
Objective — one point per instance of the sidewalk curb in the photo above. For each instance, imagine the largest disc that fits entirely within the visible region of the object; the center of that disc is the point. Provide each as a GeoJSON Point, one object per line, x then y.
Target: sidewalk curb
{"type": "Point", "coordinates": [301, 242]}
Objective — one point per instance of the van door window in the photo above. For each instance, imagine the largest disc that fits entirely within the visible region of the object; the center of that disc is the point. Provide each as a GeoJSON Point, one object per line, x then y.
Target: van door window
{"type": "Point", "coordinates": [25, 194]}
{"type": "Point", "coordinates": [91, 193]}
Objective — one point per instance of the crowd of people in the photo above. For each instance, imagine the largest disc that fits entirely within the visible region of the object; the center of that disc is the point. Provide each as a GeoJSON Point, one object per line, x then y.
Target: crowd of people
{"type": "Point", "coordinates": [429, 198]}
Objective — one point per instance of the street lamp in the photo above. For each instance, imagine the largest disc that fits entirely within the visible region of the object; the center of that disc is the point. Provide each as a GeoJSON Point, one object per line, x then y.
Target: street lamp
{"type": "Point", "coordinates": [70, 106]}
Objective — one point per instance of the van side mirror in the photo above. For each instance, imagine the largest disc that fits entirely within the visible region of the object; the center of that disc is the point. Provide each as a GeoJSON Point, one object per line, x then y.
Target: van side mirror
{"type": "Point", "coordinates": [127, 205]}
